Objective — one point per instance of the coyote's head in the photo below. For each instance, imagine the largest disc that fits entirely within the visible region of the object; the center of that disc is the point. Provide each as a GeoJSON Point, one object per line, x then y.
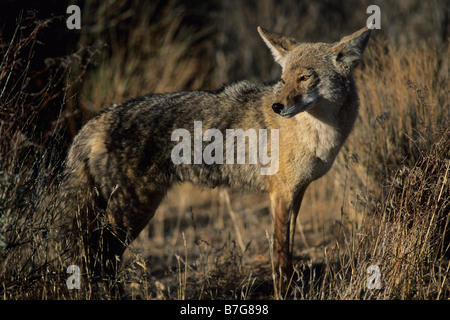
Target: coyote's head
{"type": "Point", "coordinates": [315, 74]}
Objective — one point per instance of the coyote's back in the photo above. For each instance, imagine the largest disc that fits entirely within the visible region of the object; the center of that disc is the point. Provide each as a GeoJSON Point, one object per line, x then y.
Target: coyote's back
{"type": "Point", "coordinates": [123, 161]}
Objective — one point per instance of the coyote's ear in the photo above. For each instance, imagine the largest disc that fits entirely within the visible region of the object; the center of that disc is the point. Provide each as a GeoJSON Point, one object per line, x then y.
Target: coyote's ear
{"type": "Point", "coordinates": [279, 45]}
{"type": "Point", "coordinates": [350, 49]}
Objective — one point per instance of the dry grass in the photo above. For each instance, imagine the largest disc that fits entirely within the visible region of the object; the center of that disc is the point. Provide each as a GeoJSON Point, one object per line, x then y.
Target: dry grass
{"type": "Point", "coordinates": [385, 202]}
{"type": "Point", "coordinates": [149, 59]}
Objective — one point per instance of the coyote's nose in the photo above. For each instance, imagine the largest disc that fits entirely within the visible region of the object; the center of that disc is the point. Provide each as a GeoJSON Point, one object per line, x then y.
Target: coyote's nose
{"type": "Point", "coordinates": [277, 107]}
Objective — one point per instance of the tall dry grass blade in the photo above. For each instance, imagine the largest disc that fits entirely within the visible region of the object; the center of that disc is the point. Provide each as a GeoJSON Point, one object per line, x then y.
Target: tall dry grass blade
{"type": "Point", "coordinates": [232, 214]}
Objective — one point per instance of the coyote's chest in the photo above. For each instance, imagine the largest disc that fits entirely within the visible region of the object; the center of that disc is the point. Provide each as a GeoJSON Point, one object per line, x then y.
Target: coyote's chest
{"type": "Point", "coordinates": [320, 143]}
{"type": "Point", "coordinates": [327, 142]}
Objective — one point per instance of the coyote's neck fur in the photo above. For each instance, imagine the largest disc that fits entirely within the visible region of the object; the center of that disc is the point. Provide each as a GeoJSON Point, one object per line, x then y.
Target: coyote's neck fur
{"type": "Point", "coordinates": [324, 139]}
{"type": "Point", "coordinates": [330, 129]}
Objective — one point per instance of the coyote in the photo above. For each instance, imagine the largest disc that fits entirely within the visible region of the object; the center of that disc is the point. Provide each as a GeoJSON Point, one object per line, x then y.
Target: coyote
{"type": "Point", "coordinates": [120, 165]}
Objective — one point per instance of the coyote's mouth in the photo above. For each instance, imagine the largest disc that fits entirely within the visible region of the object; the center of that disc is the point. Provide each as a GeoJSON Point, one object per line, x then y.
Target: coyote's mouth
{"type": "Point", "coordinates": [289, 112]}
{"type": "Point", "coordinates": [303, 105]}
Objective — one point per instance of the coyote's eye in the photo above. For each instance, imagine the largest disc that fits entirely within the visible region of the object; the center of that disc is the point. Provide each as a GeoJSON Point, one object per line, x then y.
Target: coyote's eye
{"type": "Point", "coordinates": [282, 81]}
{"type": "Point", "coordinates": [303, 78]}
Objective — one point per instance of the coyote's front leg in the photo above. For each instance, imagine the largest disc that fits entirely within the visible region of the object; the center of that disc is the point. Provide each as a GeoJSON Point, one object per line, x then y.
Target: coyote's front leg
{"type": "Point", "coordinates": [282, 250]}
{"type": "Point", "coordinates": [285, 215]}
